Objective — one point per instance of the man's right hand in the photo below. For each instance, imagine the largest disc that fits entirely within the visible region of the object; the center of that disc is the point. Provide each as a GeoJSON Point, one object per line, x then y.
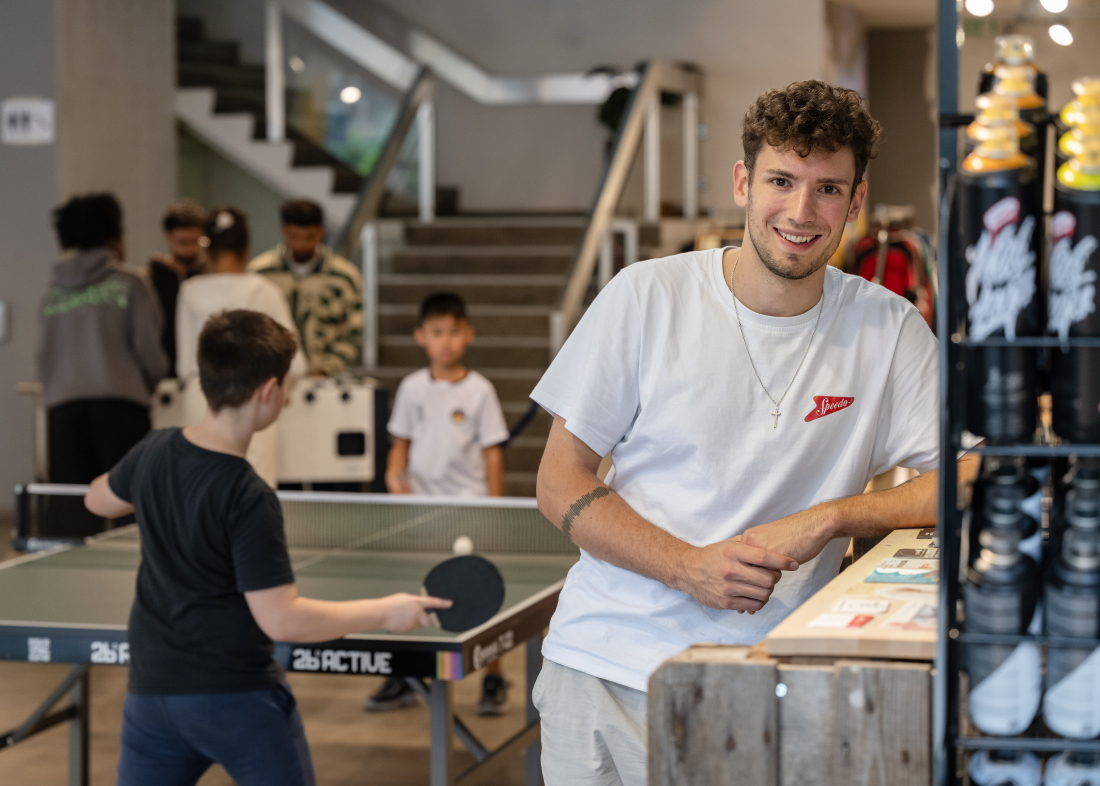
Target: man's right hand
{"type": "Point", "coordinates": [404, 612]}
{"type": "Point", "coordinates": [733, 575]}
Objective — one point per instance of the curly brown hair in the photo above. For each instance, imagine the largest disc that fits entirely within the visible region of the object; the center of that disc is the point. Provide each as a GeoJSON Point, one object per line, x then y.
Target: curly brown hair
{"type": "Point", "coordinates": [808, 116]}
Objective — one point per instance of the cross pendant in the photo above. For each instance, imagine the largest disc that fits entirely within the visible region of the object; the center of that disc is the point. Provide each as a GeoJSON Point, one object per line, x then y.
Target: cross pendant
{"type": "Point", "coordinates": [775, 418]}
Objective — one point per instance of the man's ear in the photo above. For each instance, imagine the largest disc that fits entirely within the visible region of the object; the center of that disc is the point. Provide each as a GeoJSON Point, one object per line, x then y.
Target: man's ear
{"type": "Point", "coordinates": [856, 205]}
{"type": "Point", "coordinates": [741, 184]}
{"type": "Point", "coordinates": [418, 336]}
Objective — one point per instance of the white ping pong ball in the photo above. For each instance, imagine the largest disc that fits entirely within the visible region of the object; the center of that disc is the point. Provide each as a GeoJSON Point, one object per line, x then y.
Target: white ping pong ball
{"type": "Point", "coordinates": [463, 546]}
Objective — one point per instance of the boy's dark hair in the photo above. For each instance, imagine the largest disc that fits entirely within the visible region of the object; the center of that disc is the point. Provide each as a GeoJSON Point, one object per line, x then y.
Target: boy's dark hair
{"type": "Point", "coordinates": [302, 213]}
{"type": "Point", "coordinates": [441, 304]}
{"type": "Point", "coordinates": [226, 229]}
{"type": "Point", "coordinates": [810, 116]}
{"type": "Point", "coordinates": [184, 214]}
{"type": "Point", "coordinates": [238, 352]}
{"type": "Point", "coordinates": [88, 221]}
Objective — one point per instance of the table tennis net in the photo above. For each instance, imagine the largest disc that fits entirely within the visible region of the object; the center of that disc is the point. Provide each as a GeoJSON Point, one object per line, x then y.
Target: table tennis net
{"type": "Point", "coordinates": [383, 522]}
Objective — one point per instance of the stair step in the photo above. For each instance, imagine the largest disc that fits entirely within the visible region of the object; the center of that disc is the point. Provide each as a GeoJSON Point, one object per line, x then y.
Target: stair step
{"type": "Point", "coordinates": [524, 457]}
{"type": "Point", "coordinates": [220, 76]}
{"type": "Point", "coordinates": [497, 231]}
{"type": "Point", "coordinates": [539, 425]}
{"type": "Point", "coordinates": [477, 356]}
{"type": "Point", "coordinates": [500, 342]}
{"type": "Point", "coordinates": [485, 324]}
{"type": "Point", "coordinates": [519, 484]}
{"type": "Point", "coordinates": [199, 51]}
{"type": "Point", "coordinates": [231, 99]}
{"type": "Point", "coordinates": [484, 260]}
{"type": "Point", "coordinates": [189, 28]}
{"type": "Point", "coordinates": [513, 385]}
{"type": "Point", "coordinates": [502, 289]}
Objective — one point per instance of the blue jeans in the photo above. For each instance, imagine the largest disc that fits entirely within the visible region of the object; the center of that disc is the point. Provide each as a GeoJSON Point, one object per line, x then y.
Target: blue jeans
{"type": "Point", "coordinates": [257, 736]}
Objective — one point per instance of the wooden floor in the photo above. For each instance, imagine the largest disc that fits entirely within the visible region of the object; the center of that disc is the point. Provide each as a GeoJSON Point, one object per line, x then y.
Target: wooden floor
{"type": "Point", "coordinates": [349, 746]}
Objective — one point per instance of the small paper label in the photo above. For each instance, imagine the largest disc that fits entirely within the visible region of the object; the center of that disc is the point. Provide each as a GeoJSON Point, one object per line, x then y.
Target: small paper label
{"type": "Point", "coordinates": [918, 553]}
{"type": "Point", "coordinates": [861, 606]}
{"type": "Point", "coordinates": [925, 534]}
{"type": "Point", "coordinates": [831, 620]}
{"type": "Point", "coordinates": [914, 615]}
{"type": "Point", "coordinates": [906, 571]}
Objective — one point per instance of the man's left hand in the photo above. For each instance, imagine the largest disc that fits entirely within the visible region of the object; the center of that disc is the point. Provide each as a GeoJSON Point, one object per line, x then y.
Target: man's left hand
{"type": "Point", "coordinates": [800, 536]}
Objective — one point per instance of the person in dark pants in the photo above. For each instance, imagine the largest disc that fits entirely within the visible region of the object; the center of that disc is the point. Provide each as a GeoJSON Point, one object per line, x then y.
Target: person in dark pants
{"type": "Point", "coordinates": [216, 587]}
{"type": "Point", "coordinates": [183, 233]}
{"type": "Point", "coordinates": [99, 353]}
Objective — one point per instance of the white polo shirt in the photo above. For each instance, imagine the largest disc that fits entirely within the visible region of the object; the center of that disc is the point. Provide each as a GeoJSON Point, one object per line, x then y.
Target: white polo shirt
{"type": "Point", "coordinates": [449, 424]}
{"type": "Point", "coordinates": [656, 373]}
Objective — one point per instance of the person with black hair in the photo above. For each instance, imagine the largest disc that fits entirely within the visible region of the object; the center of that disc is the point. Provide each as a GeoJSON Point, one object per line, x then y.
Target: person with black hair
{"type": "Point", "coordinates": [99, 354]}
{"type": "Point", "coordinates": [447, 428]}
{"type": "Point", "coordinates": [226, 286]}
{"type": "Point", "coordinates": [324, 290]}
{"type": "Point", "coordinates": [185, 258]}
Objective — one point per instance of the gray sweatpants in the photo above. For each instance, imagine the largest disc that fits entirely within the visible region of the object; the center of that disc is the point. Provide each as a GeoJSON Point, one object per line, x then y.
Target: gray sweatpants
{"type": "Point", "coordinates": [593, 731]}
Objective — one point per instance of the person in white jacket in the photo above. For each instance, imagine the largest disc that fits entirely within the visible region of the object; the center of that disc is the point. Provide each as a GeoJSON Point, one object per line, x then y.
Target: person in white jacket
{"type": "Point", "coordinates": [227, 287]}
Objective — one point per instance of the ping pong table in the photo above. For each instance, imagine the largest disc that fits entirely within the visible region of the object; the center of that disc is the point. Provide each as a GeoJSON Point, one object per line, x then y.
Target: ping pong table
{"type": "Point", "coordinates": [70, 604]}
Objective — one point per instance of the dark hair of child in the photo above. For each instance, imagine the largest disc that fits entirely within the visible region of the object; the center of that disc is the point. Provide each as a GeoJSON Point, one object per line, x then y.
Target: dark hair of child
{"type": "Point", "coordinates": [90, 221]}
{"type": "Point", "coordinates": [441, 304]}
{"type": "Point", "coordinates": [238, 352]}
{"type": "Point", "coordinates": [226, 229]}
{"type": "Point", "coordinates": [302, 213]}
{"type": "Point", "coordinates": [184, 214]}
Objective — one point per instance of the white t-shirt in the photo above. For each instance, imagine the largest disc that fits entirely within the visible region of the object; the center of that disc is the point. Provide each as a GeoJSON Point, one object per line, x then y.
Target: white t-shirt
{"type": "Point", "coordinates": [656, 374]}
{"type": "Point", "coordinates": [203, 296]}
{"type": "Point", "coordinates": [449, 424]}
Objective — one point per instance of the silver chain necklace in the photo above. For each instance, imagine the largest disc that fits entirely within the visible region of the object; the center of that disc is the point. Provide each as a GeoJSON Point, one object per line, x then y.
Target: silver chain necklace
{"type": "Point", "coordinates": [775, 412]}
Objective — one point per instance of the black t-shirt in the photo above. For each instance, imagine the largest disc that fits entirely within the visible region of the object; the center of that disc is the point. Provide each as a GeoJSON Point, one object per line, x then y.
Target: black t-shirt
{"type": "Point", "coordinates": [166, 283]}
{"type": "Point", "coordinates": [211, 530]}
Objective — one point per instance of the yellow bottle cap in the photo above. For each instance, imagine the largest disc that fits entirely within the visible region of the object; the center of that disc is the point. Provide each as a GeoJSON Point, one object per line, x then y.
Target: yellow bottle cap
{"type": "Point", "coordinates": [1087, 86]}
{"type": "Point", "coordinates": [995, 102]}
{"type": "Point", "coordinates": [1077, 141]}
{"type": "Point", "coordinates": [1017, 82]}
{"type": "Point", "coordinates": [1082, 172]}
{"type": "Point", "coordinates": [999, 150]}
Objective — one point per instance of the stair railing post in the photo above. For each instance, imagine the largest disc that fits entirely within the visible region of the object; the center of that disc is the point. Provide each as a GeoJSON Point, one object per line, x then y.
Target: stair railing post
{"type": "Point", "coordinates": [368, 245]}
{"type": "Point", "coordinates": [274, 80]}
{"type": "Point", "coordinates": [557, 332]}
{"type": "Point", "coordinates": [652, 140]}
{"type": "Point", "coordinates": [629, 230]}
{"type": "Point", "coordinates": [425, 118]}
{"type": "Point", "coordinates": [605, 269]}
{"type": "Point", "coordinates": [691, 155]}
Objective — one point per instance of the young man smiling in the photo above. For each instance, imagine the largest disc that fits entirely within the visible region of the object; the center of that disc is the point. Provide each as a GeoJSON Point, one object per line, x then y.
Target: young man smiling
{"type": "Point", "coordinates": [746, 397]}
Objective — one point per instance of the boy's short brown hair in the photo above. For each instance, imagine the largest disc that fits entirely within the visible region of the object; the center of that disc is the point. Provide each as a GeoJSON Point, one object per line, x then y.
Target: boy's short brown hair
{"type": "Point", "coordinates": [238, 352]}
{"type": "Point", "coordinates": [810, 116]}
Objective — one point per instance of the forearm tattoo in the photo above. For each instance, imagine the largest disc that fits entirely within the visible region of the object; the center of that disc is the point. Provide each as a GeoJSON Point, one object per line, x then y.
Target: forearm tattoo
{"type": "Point", "coordinates": [582, 503]}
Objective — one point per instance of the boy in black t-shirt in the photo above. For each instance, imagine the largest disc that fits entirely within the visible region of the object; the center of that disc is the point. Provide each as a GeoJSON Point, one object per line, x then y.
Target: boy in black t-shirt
{"type": "Point", "coordinates": [215, 585]}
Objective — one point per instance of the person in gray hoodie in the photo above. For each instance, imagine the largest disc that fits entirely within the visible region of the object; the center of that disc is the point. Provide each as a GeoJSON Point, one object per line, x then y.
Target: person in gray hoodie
{"type": "Point", "coordinates": [99, 350]}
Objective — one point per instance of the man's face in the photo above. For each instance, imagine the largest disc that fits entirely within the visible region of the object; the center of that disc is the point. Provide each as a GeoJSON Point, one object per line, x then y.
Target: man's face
{"type": "Point", "coordinates": [444, 339]}
{"type": "Point", "coordinates": [302, 241]}
{"type": "Point", "coordinates": [183, 244]}
{"type": "Point", "coordinates": [796, 207]}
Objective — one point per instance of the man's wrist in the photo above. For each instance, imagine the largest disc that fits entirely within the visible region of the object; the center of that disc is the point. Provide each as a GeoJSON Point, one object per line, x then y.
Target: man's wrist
{"type": "Point", "coordinates": [832, 520]}
{"type": "Point", "coordinates": [679, 567]}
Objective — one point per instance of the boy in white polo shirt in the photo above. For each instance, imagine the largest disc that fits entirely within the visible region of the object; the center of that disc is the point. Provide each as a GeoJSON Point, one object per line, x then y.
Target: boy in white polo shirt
{"type": "Point", "coordinates": [447, 427]}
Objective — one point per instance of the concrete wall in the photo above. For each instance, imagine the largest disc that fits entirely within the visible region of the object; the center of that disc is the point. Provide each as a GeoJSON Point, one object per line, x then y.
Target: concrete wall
{"type": "Point", "coordinates": [116, 63]}
{"type": "Point", "coordinates": [30, 176]}
{"type": "Point", "coordinates": [214, 181]}
{"type": "Point", "coordinates": [905, 171]}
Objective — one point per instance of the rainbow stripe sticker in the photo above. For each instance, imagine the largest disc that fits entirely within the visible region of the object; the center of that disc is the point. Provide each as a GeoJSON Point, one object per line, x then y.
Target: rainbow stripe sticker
{"type": "Point", "coordinates": [448, 666]}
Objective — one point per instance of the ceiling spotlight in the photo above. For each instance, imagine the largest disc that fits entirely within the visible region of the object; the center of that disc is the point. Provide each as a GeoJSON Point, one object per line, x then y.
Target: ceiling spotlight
{"type": "Point", "coordinates": [1060, 34]}
{"type": "Point", "coordinates": [297, 64]}
{"type": "Point", "coordinates": [1055, 6]}
{"type": "Point", "coordinates": [351, 94]}
{"type": "Point", "coordinates": [979, 7]}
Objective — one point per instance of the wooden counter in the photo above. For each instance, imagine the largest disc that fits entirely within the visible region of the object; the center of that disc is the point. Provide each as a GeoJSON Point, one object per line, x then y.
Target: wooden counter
{"type": "Point", "coordinates": [847, 704]}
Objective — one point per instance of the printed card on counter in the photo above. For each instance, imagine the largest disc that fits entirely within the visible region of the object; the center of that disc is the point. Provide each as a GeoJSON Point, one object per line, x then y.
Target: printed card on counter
{"type": "Point", "coordinates": [914, 615]}
{"type": "Point", "coordinates": [926, 534]}
{"type": "Point", "coordinates": [861, 606]}
{"type": "Point", "coordinates": [918, 553]}
{"type": "Point", "coordinates": [831, 620]}
{"type": "Point", "coordinates": [906, 571]}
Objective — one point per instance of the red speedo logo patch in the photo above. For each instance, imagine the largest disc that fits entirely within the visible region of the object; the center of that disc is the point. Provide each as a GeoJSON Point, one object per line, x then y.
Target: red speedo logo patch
{"type": "Point", "coordinates": [826, 405]}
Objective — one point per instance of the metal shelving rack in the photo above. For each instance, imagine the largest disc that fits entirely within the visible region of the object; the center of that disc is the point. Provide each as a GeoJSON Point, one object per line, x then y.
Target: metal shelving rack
{"type": "Point", "coordinates": [948, 739]}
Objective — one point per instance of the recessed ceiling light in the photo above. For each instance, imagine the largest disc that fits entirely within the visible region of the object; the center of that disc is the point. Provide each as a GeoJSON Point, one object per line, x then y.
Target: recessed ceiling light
{"type": "Point", "coordinates": [1060, 34]}
{"type": "Point", "coordinates": [297, 64]}
{"type": "Point", "coordinates": [350, 94]}
{"type": "Point", "coordinates": [979, 7]}
{"type": "Point", "coordinates": [1055, 6]}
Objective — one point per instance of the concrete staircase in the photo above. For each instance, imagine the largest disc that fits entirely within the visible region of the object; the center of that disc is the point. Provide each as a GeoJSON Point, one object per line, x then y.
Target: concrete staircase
{"type": "Point", "coordinates": [509, 271]}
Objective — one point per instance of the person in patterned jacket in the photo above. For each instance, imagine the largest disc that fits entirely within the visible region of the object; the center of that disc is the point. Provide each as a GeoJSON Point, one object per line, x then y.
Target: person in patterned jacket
{"type": "Point", "coordinates": [324, 290]}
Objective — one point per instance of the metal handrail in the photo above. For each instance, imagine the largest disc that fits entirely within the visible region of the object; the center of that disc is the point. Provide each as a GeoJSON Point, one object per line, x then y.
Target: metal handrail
{"type": "Point", "coordinates": [642, 114]}
{"type": "Point", "coordinates": [416, 108]}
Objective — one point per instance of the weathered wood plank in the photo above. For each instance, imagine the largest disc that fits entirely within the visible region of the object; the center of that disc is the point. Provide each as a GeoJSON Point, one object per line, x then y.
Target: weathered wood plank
{"type": "Point", "coordinates": [806, 704]}
{"type": "Point", "coordinates": [713, 720]}
{"type": "Point", "coordinates": [882, 724]}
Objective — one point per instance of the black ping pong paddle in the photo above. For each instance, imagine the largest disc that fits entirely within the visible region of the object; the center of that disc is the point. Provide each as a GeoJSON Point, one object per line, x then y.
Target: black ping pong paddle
{"type": "Point", "coordinates": [473, 583]}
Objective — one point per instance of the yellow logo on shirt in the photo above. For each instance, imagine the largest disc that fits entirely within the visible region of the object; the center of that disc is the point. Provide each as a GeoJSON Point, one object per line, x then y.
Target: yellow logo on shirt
{"type": "Point", "coordinates": [458, 416]}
